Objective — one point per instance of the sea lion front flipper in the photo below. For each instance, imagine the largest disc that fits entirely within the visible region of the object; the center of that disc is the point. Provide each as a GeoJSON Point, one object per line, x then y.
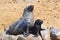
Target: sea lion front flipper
{"type": "Point", "coordinates": [26, 30]}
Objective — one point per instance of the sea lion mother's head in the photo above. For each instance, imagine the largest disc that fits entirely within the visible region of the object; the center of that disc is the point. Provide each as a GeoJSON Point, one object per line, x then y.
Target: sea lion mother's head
{"type": "Point", "coordinates": [29, 8]}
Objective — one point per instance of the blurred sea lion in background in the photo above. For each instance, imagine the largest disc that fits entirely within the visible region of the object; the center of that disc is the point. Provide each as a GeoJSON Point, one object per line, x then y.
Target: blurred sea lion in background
{"type": "Point", "coordinates": [54, 33]}
{"type": "Point", "coordinates": [22, 25]}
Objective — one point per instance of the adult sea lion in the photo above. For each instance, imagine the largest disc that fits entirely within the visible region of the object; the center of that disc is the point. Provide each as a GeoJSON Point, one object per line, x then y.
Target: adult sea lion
{"type": "Point", "coordinates": [22, 25]}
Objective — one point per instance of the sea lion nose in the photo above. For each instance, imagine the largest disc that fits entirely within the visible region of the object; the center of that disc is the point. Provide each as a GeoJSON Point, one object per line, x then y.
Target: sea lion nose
{"type": "Point", "coordinates": [31, 6]}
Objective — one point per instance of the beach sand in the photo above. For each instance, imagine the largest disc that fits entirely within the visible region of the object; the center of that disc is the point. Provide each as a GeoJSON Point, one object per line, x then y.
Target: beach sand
{"type": "Point", "coordinates": [46, 10]}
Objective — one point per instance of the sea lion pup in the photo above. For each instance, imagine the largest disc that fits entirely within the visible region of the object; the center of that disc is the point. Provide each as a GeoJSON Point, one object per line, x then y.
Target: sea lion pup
{"type": "Point", "coordinates": [23, 24]}
{"type": "Point", "coordinates": [36, 30]}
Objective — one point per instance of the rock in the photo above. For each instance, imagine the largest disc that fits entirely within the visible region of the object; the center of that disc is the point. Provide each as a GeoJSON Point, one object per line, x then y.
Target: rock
{"type": "Point", "coordinates": [54, 33]}
{"type": "Point", "coordinates": [20, 38]}
{"type": "Point", "coordinates": [45, 34]}
{"type": "Point", "coordinates": [4, 36]}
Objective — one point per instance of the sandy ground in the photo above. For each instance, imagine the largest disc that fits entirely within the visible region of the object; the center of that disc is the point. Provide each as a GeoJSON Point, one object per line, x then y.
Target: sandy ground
{"type": "Point", "coordinates": [46, 10]}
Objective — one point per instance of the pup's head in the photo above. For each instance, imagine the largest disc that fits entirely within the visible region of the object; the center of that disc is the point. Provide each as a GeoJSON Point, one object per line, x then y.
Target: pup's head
{"type": "Point", "coordinates": [29, 8]}
{"type": "Point", "coordinates": [38, 22]}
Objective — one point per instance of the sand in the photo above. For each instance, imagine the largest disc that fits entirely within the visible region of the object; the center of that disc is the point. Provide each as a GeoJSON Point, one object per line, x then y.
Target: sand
{"type": "Point", "coordinates": [46, 10]}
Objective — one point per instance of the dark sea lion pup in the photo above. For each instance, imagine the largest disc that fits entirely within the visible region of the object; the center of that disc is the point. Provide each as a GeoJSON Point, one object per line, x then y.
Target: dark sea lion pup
{"type": "Point", "coordinates": [36, 30]}
{"type": "Point", "coordinates": [22, 25]}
